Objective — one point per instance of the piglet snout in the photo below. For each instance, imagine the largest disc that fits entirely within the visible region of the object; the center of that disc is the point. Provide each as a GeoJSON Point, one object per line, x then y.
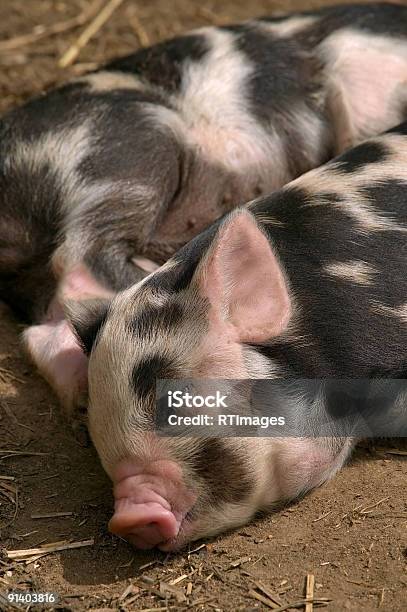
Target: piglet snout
{"type": "Point", "coordinates": [150, 505]}
{"type": "Point", "coordinates": [146, 524]}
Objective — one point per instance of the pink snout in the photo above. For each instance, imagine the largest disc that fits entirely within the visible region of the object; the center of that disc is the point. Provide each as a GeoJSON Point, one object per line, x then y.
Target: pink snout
{"type": "Point", "coordinates": [150, 505]}
{"type": "Point", "coordinates": [145, 525]}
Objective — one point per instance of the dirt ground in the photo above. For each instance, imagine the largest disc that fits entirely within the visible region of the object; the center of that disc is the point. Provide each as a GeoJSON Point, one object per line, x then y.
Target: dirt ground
{"type": "Point", "coordinates": [350, 534]}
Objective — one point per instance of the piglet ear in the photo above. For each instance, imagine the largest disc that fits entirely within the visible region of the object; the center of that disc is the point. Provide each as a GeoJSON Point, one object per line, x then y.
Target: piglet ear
{"type": "Point", "coordinates": [87, 319]}
{"type": "Point", "coordinates": [243, 281]}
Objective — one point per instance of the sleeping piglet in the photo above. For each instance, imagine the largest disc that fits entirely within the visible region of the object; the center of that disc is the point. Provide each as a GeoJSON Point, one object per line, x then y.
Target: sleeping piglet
{"type": "Point", "coordinates": [113, 172]}
{"type": "Point", "coordinates": [307, 283]}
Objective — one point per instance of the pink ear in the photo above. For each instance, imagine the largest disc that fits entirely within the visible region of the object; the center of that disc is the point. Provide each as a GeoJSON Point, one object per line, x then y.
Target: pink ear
{"type": "Point", "coordinates": [244, 281]}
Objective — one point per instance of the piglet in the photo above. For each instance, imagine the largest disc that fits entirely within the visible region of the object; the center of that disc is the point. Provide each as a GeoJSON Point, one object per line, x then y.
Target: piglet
{"type": "Point", "coordinates": [307, 283]}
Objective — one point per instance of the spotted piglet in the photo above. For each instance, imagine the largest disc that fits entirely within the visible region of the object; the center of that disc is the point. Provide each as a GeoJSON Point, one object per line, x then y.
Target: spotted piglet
{"type": "Point", "coordinates": [113, 172]}
{"type": "Point", "coordinates": [307, 283]}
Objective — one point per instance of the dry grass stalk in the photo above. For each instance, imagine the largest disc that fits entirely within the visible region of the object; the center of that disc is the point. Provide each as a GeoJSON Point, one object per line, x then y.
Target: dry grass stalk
{"type": "Point", "coordinates": [57, 28]}
{"type": "Point", "coordinates": [371, 507]}
{"type": "Point", "coordinates": [323, 601]}
{"type": "Point", "coordinates": [35, 558]}
{"type": "Point", "coordinates": [131, 589]}
{"type": "Point", "coordinates": [12, 453]}
{"type": "Point", "coordinates": [53, 544]}
{"type": "Point", "coordinates": [194, 550]}
{"type": "Point", "coordinates": [13, 417]}
{"type": "Point", "coordinates": [268, 592]}
{"type": "Point", "coordinates": [239, 562]}
{"type": "Point", "coordinates": [167, 590]}
{"type": "Point", "coordinates": [142, 36]}
{"type": "Point", "coordinates": [46, 549]}
{"type": "Point", "coordinates": [264, 600]}
{"type": "Point", "coordinates": [179, 579]}
{"type": "Point", "coordinates": [322, 516]}
{"type": "Point", "coordinates": [309, 592]}
{"type": "Point", "coordinates": [10, 492]}
{"type": "Point", "coordinates": [51, 515]}
{"type": "Point", "coordinates": [95, 25]}
{"type": "Point", "coordinates": [5, 375]}
{"type": "Point", "coordinates": [131, 601]}
{"type": "Point", "coordinates": [149, 564]}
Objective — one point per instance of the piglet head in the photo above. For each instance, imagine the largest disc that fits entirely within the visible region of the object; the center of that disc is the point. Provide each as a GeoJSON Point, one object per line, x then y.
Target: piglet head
{"type": "Point", "coordinates": [200, 316]}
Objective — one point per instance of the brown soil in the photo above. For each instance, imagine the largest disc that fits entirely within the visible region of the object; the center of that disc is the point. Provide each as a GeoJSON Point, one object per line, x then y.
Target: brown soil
{"type": "Point", "coordinates": [351, 534]}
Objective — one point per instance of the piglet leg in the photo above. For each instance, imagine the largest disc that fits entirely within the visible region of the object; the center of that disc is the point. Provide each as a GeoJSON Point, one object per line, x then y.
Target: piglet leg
{"type": "Point", "coordinates": [53, 346]}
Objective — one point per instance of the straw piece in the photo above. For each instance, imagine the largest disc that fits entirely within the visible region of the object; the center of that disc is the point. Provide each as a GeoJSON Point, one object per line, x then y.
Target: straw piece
{"type": "Point", "coordinates": [57, 28]}
{"type": "Point", "coordinates": [369, 508]}
{"type": "Point", "coordinates": [268, 592]}
{"type": "Point", "coordinates": [179, 579]}
{"type": "Point", "coordinates": [322, 516]}
{"type": "Point", "coordinates": [51, 515]}
{"type": "Point", "coordinates": [309, 592]}
{"type": "Point", "coordinates": [11, 453]}
{"type": "Point", "coordinates": [35, 558]}
{"type": "Point", "coordinates": [98, 22]}
{"type": "Point", "coordinates": [302, 602]}
{"type": "Point", "coordinates": [264, 600]}
{"type": "Point", "coordinates": [239, 561]}
{"type": "Point", "coordinates": [28, 552]}
{"type": "Point", "coordinates": [143, 37]}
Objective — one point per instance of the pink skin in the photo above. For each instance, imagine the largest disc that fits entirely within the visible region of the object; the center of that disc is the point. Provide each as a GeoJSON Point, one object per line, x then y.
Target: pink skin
{"type": "Point", "coordinates": [54, 349]}
{"type": "Point", "coordinates": [52, 344]}
{"type": "Point", "coordinates": [151, 504]}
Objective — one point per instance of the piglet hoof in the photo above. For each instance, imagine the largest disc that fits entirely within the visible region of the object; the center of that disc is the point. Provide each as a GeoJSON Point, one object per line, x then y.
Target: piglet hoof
{"type": "Point", "coordinates": [81, 433]}
{"type": "Point", "coordinates": [79, 422]}
{"type": "Point", "coordinates": [54, 349]}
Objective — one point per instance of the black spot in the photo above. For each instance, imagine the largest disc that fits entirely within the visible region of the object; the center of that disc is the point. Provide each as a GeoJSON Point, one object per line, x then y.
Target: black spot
{"type": "Point", "coordinates": [280, 18]}
{"type": "Point", "coordinates": [284, 84]}
{"type": "Point", "coordinates": [163, 64]}
{"type": "Point", "coordinates": [400, 129]}
{"type": "Point", "coordinates": [289, 208]}
{"type": "Point", "coordinates": [30, 224]}
{"type": "Point", "coordinates": [282, 202]}
{"type": "Point", "coordinates": [390, 197]}
{"type": "Point", "coordinates": [90, 322]}
{"type": "Point", "coordinates": [160, 318]}
{"type": "Point", "coordinates": [179, 277]}
{"type": "Point", "coordinates": [359, 157]}
{"type": "Point", "coordinates": [376, 18]}
{"type": "Point", "coordinates": [128, 145]}
{"type": "Point", "coordinates": [56, 110]}
{"type": "Point", "coordinates": [224, 472]}
{"type": "Point", "coordinates": [145, 374]}
{"type": "Point", "coordinates": [283, 74]}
